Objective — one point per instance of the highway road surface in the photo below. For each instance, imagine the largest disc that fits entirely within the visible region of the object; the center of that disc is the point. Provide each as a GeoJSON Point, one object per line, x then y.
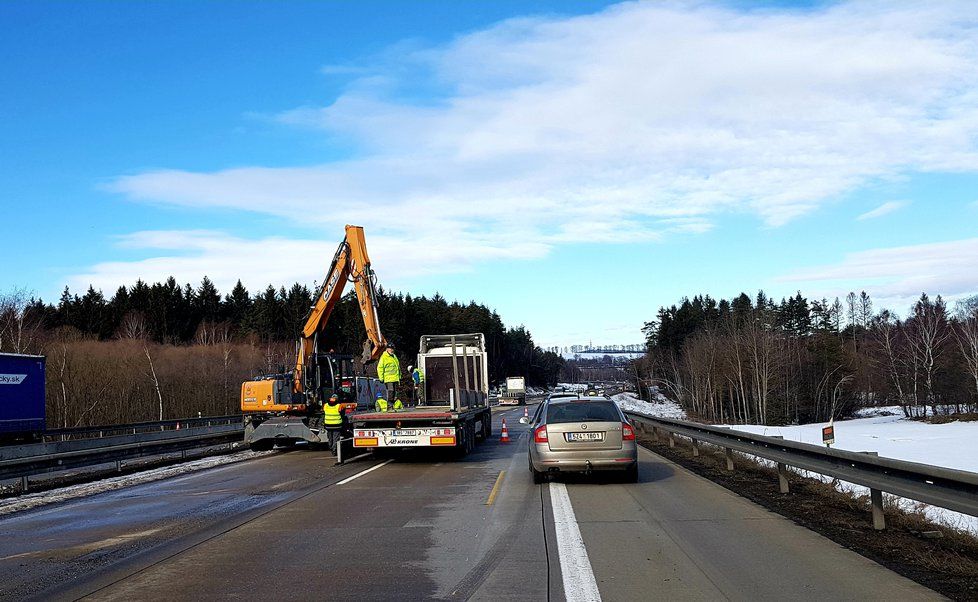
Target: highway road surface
{"type": "Point", "coordinates": [410, 527]}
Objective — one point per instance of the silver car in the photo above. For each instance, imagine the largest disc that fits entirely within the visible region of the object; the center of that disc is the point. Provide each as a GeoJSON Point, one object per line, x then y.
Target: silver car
{"type": "Point", "coordinates": [586, 434]}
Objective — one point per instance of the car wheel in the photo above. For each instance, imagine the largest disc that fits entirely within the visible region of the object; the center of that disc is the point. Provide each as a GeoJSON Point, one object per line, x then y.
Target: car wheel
{"type": "Point", "coordinates": [538, 477]}
{"type": "Point", "coordinates": [631, 474]}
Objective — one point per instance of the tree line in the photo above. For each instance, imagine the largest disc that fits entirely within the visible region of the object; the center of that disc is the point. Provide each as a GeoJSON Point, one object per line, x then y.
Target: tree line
{"type": "Point", "coordinates": [756, 360]}
{"type": "Point", "coordinates": [162, 350]}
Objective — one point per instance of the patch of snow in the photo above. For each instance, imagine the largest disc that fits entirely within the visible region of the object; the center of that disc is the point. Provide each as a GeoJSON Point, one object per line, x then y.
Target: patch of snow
{"type": "Point", "coordinates": [662, 407]}
{"type": "Point", "coordinates": [888, 433]}
{"type": "Point", "coordinates": [29, 501]}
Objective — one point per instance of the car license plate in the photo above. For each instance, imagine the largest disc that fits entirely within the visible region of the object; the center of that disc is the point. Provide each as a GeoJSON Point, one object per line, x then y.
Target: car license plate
{"type": "Point", "coordinates": [404, 434]}
{"type": "Point", "coordinates": [585, 436]}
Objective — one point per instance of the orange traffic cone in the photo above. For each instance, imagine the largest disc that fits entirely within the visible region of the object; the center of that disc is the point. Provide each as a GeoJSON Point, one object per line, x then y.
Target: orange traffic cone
{"type": "Point", "coordinates": [526, 413]}
{"type": "Point", "coordinates": [178, 426]}
{"type": "Point", "coordinates": [504, 436]}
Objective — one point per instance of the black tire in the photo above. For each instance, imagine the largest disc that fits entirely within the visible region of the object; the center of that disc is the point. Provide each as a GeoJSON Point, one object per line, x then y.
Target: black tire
{"type": "Point", "coordinates": [538, 477]}
{"type": "Point", "coordinates": [261, 445]}
{"type": "Point", "coordinates": [462, 445]}
{"type": "Point", "coordinates": [631, 474]}
{"type": "Point", "coordinates": [487, 426]}
{"type": "Point", "coordinates": [470, 436]}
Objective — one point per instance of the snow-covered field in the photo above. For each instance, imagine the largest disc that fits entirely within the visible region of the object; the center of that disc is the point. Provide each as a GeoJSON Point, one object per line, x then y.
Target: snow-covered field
{"type": "Point", "coordinates": [888, 433]}
{"type": "Point", "coordinates": [951, 445]}
{"type": "Point", "coordinates": [42, 498]}
{"type": "Point", "coordinates": [881, 430]}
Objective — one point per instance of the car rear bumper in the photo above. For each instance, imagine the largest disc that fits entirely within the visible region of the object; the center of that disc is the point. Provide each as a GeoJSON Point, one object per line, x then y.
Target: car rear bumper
{"type": "Point", "coordinates": [544, 460]}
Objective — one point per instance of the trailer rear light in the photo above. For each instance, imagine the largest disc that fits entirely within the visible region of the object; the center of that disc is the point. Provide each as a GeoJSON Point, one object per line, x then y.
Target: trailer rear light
{"type": "Point", "coordinates": [627, 432]}
{"type": "Point", "coordinates": [540, 434]}
{"type": "Point", "coordinates": [365, 442]}
{"type": "Point", "coordinates": [443, 440]}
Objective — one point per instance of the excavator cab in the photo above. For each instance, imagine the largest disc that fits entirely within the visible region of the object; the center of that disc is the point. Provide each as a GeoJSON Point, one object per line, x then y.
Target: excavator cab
{"type": "Point", "coordinates": [333, 374]}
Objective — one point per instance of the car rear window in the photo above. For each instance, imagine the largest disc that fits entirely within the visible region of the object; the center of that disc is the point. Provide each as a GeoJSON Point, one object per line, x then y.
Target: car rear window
{"type": "Point", "coordinates": [582, 411]}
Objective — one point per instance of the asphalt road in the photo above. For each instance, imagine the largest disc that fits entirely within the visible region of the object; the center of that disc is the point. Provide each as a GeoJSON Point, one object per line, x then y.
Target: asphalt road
{"type": "Point", "coordinates": [422, 526]}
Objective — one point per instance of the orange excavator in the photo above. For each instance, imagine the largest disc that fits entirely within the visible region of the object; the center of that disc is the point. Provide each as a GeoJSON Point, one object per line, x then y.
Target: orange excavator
{"type": "Point", "coordinates": [282, 409]}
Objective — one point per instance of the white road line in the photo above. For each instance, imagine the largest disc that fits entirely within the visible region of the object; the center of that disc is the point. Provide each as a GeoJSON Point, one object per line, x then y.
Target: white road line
{"type": "Point", "coordinates": [363, 472]}
{"type": "Point", "coordinates": [575, 567]}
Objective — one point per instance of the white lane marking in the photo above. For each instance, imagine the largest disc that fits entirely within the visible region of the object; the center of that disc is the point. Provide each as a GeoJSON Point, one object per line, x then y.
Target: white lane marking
{"type": "Point", "coordinates": [575, 567]}
{"type": "Point", "coordinates": [363, 472]}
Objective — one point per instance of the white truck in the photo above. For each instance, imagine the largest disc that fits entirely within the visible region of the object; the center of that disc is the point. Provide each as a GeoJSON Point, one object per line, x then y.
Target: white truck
{"type": "Point", "coordinates": [455, 413]}
{"type": "Point", "coordinates": [515, 393]}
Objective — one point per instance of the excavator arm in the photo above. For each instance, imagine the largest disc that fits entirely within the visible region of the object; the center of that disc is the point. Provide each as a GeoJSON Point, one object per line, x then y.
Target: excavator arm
{"type": "Point", "coordinates": [351, 262]}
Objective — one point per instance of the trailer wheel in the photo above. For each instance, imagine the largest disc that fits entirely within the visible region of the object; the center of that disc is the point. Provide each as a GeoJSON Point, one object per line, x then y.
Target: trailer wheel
{"type": "Point", "coordinates": [487, 426]}
{"type": "Point", "coordinates": [469, 436]}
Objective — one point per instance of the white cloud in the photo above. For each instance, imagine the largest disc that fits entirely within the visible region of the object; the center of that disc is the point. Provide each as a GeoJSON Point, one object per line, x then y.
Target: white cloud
{"type": "Point", "coordinates": [947, 268]}
{"type": "Point", "coordinates": [884, 209]}
{"type": "Point", "coordinates": [258, 262]}
{"type": "Point", "coordinates": [600, 127]}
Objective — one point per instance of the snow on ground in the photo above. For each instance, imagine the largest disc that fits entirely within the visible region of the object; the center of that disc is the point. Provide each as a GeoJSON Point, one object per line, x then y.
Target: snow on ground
{"type": "Point", "coordinates": [662, 407]}
{"type": "Point", "coordinates": [42, 498]}
{"type": "Point", "coordinates": [892, 436]}
{"type": "Point", "coordinates": [883, 430]}
{"type": "Point", "coordinates": [887, 432]}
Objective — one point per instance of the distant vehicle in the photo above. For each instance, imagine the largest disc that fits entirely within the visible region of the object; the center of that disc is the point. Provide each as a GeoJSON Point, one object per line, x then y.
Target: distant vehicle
{"type": "Point", "coordinates": [22, 415]}
{"type": "Point", "coordinates": [582, 435]}
{"type": "Point", "coordinates": [515, 393]}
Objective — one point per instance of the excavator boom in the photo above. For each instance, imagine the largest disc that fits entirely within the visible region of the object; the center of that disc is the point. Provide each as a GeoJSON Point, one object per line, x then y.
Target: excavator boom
{"type": "Point", "coordinates": [351, 262]}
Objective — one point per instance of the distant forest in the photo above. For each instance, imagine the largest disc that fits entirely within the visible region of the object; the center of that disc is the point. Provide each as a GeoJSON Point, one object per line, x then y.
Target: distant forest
{"type": "Point", "coordinates": [168, 350]}
{"type": "Point", "coordinates": [756, 360]}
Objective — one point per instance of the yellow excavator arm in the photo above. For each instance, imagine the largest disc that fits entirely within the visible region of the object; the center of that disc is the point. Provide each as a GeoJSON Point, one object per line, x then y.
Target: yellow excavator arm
{"type": "Point", "coordinates": [351, 262]}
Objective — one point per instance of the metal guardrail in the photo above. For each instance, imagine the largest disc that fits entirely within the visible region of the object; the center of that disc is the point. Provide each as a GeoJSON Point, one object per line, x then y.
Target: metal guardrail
{"type": "Point", "coordinates": [945, 487]}
{"type": "Point", "coordinates": [24, 461]}
{"type": "Point", "coordinates": [89, 432]}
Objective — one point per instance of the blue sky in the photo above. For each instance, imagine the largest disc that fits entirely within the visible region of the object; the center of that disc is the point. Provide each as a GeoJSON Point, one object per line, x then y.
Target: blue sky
{"type": "Point", "coordinates": [574, 165]}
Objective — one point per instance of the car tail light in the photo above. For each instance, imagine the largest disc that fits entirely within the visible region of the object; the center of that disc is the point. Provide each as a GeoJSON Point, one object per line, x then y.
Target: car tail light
{"type": "Point", "coordinates": [540, 434]}
{"type": "Point", "coordinates": [627, 432]}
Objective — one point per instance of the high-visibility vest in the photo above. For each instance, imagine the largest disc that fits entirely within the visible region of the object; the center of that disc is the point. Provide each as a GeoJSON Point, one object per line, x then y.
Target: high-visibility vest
{"type": "Point", "coordinates": [388, 368]}
{"type": "Point", "coordinates": [381, 405]}
{"type": "Point", "coordinates": [334, 415]}
{"type": "Point", "coordinates": [398, 405]}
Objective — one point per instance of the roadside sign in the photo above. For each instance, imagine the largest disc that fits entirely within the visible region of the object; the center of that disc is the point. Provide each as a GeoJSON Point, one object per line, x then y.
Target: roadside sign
{"type": "Point", "coordinates": [828, 434]}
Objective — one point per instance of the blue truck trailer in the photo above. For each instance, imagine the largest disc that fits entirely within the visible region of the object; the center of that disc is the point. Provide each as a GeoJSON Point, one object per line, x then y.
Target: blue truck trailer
{"type": "Point", "coordinates": [21, 397]}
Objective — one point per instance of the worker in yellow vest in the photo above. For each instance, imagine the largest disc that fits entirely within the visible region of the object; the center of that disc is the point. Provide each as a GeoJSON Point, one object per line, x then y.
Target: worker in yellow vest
{"type": "Point", "coordinates": [389, 371]}
{"type": "Point", "coordinates": [381, 404]}
{"type": "Point", "coordinates": [333, 421]}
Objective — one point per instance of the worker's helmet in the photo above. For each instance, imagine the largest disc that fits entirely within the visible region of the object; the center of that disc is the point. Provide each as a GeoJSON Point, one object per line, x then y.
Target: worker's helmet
{"type": "Point", "coordinates": [380, 394]}
{"type": "Point", "coordinates": [410, 368]}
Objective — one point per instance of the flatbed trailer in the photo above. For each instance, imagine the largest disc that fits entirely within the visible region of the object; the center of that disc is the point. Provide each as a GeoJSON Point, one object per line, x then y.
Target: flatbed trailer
{"type": "Point", "coordinates": [455, 412]}
{"type": "Point", "coordinates": [422, 426]}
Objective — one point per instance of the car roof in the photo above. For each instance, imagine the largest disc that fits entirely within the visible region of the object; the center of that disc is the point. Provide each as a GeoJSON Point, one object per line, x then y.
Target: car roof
{"type": "Point", "coordinates": [562, 400]}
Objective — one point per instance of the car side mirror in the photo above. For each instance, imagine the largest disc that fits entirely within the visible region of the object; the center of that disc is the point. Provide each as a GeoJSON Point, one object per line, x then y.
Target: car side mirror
{"type": "Point", "coordinates": [524, 420]}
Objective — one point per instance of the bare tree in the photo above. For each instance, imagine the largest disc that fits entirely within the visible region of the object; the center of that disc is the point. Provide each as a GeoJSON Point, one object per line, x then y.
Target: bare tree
{"type": "Point", "coordinates": [133, 327]}
{"type": "Point", "coordinates": [19, 330]}
{"type": "Point", "coordinates": [966, 334]}
{"type": "Point", "coordinates": [927, 335]}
